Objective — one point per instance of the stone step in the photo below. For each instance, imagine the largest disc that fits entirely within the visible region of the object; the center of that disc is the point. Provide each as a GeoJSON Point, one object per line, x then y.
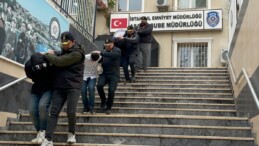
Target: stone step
{"type": "Point", "coordinates": [165, 105]}
{"type": "Point", "coordinates": [183, 69]}
{"type": "Point", "coordinates": [153, 119]}
{"type": "Point", "coordinates": [164, 111]}
{"type": "Point", "coordinates": [169, 90]}
{"type": "Point", "coordinates": [180, 74]}
{"type": "Point", "coordinates": [139, 78]}
{"type": "Point", "coordinates": [140, 139]}
{"type": "Point", "coordinates": [165, 85]}
{"type": "Point", "coordinates": [176, 71]}
{"type": "Point", "coordinates": [145, 129]}
{"type": "Point", "coordinates": [170, 99]}
{"type": "Point", "coordinates": [26, 143]}
{"type": "Point", "coordinates": [171, 81]}
{"type": "Point", "coordinates": [172, 94]}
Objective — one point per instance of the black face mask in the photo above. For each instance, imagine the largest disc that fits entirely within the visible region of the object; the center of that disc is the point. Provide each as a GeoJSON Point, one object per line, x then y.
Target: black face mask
{"type": "Point", "coordinates": [143, 24]}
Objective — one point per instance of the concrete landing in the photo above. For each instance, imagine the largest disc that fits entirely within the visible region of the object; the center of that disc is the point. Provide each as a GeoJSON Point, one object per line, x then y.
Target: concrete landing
{"type": "Point", "coordinates": [4, 116]}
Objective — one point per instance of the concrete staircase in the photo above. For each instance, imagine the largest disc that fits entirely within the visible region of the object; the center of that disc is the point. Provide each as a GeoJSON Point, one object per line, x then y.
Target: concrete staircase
{"type": "Point", "coordinates": [164, 107]}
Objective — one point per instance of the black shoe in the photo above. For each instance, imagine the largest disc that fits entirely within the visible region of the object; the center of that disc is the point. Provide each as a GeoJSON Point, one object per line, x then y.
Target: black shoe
{"type": "Point", "coordinates": [132, 79]}
{"type": "Point", "coordinates": [127, 81]}
{"type": "Point", "coordinates": [102, 108]}
{"type": "Point", "coordinates": [138, 70]}
{"type": "Point", "coordinates": [85, 110]}
{"type": "Point", "coordinates": [108, 111]}
{"type": "Point", "coordinates": [92, 111]}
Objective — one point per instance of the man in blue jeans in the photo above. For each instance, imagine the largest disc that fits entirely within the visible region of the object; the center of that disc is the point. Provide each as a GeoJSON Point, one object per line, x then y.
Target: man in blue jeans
{"type": "Point", "coordinates": [89, 81]}
{"type": "Point", "coordinates": [38, 69]}
{"type": "Point", "coordinates": [67, 84]}
{"type": "Point", "coordinates": [111, 74]}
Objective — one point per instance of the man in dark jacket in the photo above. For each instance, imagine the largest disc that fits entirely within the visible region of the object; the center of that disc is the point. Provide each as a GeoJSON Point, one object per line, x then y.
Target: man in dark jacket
{"type": "Point", "coordinates": [69, 69]}
{"type": "Point", "coordinates": [145, 37]}
{"type": "Point", "coordinates": [131, 40]}
{"type": "Point", "coordinates": [111, 74]}
{"type": "Point", "coordinates": [39, 70]}
{"type": "Point", "coordinates": [2, 34]}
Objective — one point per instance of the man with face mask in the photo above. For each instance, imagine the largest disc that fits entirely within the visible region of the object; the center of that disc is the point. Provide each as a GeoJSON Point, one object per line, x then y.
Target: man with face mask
{"type": "Point", "coordinates": [69, 69]}
{"type": "Point", "coordinates": [131, 41]}
{"type": "Point", "coordinates": [144, 31]}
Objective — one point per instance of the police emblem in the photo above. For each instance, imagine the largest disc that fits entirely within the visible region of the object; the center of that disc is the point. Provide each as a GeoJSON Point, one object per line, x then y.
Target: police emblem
{"type": "Point", "coordinates": [213, 19]}
{"type": "Point", "coordinates": [54, 29]}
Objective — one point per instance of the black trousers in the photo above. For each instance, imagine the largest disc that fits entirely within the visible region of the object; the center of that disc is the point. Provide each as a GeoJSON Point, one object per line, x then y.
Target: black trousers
{"type": "Point", "coordinates": [129, 60]}
{"type": "Point", "coordinates": [112, 82]}
{"type": "Point", "coordinates": [59, 97]}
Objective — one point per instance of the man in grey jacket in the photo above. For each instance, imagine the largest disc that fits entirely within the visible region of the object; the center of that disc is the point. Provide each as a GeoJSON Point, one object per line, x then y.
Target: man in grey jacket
{"type": "Point", "coordinates": [144, 31]}
{"type": "Point", "coordinates": [131, 41]}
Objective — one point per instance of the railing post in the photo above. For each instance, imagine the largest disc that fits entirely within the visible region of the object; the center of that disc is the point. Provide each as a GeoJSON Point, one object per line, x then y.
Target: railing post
{"type": "Point", "coordinates": [251, 88]}
{"type": "Point", "coordinates": [236, 80]}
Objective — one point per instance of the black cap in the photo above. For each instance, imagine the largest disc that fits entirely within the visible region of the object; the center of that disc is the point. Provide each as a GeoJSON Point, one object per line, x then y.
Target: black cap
{"type": "Point", "coordinates": [108, 41]}
{"type": "Point", "coordinates": [66, 36]}
{"type": "Point", "coordinates": [130, 27]}
{"type": "Point", "coordinates": [143, 18]}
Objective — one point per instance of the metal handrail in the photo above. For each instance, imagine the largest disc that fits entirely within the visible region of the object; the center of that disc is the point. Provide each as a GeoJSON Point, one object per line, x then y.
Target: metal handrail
{"type": "Point", "coordinates": [236, 80]}
{"type": "Point", "coordinates": [12, 83]}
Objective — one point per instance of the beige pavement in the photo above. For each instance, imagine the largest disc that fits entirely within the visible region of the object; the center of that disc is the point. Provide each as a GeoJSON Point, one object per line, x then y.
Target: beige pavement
{"type": "Point", "coordinates": [4, 116]}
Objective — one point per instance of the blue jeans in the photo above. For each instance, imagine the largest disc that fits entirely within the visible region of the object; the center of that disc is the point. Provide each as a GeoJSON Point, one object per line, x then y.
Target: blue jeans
{"type": "Point", "coordinates": [112, 82]}
{"type": "Point", "coordinates": [39, 109]}
{"type": "Point", "coordinates": [89, 84]}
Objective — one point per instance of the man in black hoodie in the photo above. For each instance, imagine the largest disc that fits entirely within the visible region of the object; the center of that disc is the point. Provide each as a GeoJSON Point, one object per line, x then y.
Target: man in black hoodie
{"type": "Point", "coordinates": [69, 69]}
{"type": "Point", "coordinates": [39, 70]}
{"type": "Point", "coordinates": [144, 30]}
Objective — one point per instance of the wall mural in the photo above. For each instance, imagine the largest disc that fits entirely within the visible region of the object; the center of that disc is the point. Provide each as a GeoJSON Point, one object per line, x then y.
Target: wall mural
{"type": "Point", "coordinates": [28, 26]}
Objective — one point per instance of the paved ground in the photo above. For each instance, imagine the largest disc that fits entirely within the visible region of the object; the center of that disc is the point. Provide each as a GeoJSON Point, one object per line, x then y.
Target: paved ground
{"type": "Point", "coordinates": [4, 117]}
{"type": "Point", "coordinates": [255, 121]}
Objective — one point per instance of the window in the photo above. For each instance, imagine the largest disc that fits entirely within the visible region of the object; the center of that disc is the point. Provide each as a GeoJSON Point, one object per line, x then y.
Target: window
{"type": "Point", "coordinates": [192, 4]}
{"type": "Point", "coordinates": [192, 55]}
{"type": "Point", "coordinates": [70, 6]}
{"type": "Point", "coordinates": [129, 5]}
{"type": "Point", "coordinates": [191, 52]}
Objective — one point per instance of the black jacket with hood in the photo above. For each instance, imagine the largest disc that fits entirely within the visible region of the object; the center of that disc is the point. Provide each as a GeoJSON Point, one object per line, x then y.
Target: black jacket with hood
{"type": "Point", "coordinates": [41, 73]}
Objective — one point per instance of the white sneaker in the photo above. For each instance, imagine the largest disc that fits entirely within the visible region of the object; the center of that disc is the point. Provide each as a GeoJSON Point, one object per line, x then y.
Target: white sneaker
{"type": "Point", "coordinates": [71, 138]}
{"type": "Point", "coordinates": [40, 137]}
{"type": "Point", "coordinates": [46, 143]}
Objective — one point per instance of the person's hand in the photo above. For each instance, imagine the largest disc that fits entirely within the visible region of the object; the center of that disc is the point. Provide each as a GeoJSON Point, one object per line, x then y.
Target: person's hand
{"type": "Point", "coordinates": [96, 52]}
{"type": "Point", "coordinates": [51, 52]}
{"type": "Point", "coordinates": [120, 38]}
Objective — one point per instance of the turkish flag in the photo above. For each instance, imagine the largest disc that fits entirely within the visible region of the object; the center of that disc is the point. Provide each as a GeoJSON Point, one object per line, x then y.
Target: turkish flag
{"type": "Point", "coordinates": [119, 23]}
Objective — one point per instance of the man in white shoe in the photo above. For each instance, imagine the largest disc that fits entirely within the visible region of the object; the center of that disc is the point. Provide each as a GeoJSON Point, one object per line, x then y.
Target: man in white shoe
{"type": "Point", "coordinates": [68, 78]}
{"type": "Point", "coordinates": [37, 68]}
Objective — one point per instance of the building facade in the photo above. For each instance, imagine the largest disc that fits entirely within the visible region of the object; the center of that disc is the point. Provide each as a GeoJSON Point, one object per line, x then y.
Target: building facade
{"type": "Point", "coordinates": [190, 33]}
